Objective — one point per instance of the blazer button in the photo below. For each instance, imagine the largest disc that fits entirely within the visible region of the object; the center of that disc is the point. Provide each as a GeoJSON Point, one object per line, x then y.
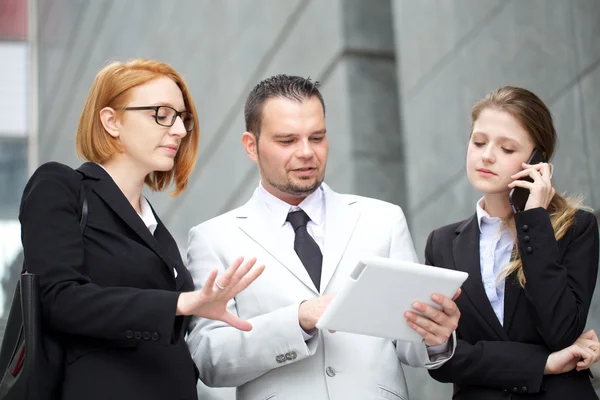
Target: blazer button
{"type": "Point", "coordinates": [524, 389]}
{"type": "Point", "coordinates": [290, 356]}
{"type": "Point", "coordinates": [155, 336]}
{"type": "Point", "coordinates": [280, 358]}
{"type": "Point", "coordinates": [529, 250]}
{"type": "Point", "coordinates": [129, 334]}
{"type": "Point", "coordinates": [526, 239]}
{"type": "Point", "coordinates": [146, 335]}
{"type": "Point", "coordinates": [330, 372]}
{"type": "Point", "coordinates": [525, 228]}
{"type": "Point", "coordinates": [515, 390]}
{"type": "Point", "coordinates": [138, 335]}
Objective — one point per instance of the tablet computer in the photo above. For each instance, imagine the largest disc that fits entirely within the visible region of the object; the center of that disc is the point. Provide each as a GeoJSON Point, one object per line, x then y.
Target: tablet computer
{"type": "Point", "coordinates": [379, 290]}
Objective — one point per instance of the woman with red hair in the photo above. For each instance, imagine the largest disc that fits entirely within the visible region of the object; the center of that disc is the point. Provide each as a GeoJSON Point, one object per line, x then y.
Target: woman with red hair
{"type": "Point", "coordinates": [117, 295]}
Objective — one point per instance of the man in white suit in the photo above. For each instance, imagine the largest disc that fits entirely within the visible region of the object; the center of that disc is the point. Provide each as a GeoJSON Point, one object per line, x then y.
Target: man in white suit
{"type": "Point", "coordinates": [309, 238]}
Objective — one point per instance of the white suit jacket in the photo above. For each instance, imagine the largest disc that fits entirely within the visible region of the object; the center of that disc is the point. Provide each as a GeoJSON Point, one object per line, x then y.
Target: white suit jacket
{"type": "Point", "coordinates": [273, 361]}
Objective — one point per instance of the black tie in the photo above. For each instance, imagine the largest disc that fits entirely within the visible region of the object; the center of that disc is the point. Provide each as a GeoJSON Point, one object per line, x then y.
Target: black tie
{"type": "Point", "coordinates": [307, 249]}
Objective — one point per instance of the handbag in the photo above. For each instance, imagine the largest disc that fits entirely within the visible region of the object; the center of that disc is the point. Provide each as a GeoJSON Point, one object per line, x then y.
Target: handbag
{"type": "Point", "coordinates": [31, 358]}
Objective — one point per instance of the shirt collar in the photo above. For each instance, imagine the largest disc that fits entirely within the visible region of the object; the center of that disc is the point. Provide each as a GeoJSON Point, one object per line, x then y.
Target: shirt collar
{"type": "Point", "coordinates": [312, 205]}
{"type": "Point", "coordinates": [147, 215]}
{"type": "Point", "coordinates": [483, 217]}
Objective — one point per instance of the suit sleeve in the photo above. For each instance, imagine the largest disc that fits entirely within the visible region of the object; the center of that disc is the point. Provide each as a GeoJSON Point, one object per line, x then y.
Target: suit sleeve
{"type": "Point", "coordinates": [226, 356]}
{"type": "Point", "coordinates": [502, 365]}
{"type": "Point", "coordinates": [559, 287]}
{"type": "Point", "coordinates": [402, 248]}
{"type": "Point", "coordinates": [495, 364]}
{"type": "Point", "coordinates": [54, 250]}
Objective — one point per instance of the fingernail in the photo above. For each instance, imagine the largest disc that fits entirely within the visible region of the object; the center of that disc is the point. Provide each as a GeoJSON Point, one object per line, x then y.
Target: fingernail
{"type": "Point", "coordinates": [435, 297]}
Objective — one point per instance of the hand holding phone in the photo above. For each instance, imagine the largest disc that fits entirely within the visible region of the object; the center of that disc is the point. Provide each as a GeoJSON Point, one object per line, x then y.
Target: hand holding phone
{"type": "Point", "coordinates": [518, 196]}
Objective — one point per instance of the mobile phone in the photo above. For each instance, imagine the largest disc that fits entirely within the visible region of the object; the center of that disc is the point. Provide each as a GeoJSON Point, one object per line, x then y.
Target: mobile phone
{"type": "Point", "coordinates": [518, 196]}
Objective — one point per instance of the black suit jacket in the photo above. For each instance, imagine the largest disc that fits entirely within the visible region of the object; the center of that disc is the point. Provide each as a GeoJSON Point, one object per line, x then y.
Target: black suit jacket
{"type": "Point", "coordinates": [500, 361]}
{"type": "Point", "coordinates": [109, 294]}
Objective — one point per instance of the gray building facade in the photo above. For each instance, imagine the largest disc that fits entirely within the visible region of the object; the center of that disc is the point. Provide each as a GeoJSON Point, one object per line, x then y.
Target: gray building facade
{"type": "Point", "coordinates": [399, 78]}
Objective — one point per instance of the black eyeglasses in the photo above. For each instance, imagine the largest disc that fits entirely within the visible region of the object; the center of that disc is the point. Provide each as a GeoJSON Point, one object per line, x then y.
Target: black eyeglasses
{"type": "Point", "coordinates": [166, 116]}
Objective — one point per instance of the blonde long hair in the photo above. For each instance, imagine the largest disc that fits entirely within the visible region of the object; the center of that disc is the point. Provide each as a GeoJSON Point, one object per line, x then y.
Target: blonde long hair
{"type": "Point", "coordinates": [535, 117]}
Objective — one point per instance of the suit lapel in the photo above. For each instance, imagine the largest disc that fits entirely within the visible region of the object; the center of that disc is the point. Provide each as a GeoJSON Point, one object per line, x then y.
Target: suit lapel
{"type": "Point", "coordinates": [466, 257]}
{"type": "Point", "coordinates": [512, 294]}
{"type": "Point", "coordinates": [340, 220]}
{"type": "Point", "coordinates": [110, 193]}
{"type": "Point", "coordinates": [254, 220]}
{"type": "Point", "coordinates": [167, 244]}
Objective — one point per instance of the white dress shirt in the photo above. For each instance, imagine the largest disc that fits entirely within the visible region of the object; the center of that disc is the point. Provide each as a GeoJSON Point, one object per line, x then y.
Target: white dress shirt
{"type": "Point", "coordinates": [147, 215]}
{"type": "Point", "coordinates": [495, 248]}
{"type": "Point", "coordinates": [313, 205]}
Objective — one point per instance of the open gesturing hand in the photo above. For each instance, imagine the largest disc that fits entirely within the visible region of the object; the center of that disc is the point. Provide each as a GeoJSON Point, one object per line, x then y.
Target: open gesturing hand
{"type": "Point", "coordinates": [211, 301]}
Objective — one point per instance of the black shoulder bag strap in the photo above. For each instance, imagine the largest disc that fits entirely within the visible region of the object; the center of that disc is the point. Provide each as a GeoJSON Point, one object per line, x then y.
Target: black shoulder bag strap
{"type": "Point", "coordinates": [84, 207]}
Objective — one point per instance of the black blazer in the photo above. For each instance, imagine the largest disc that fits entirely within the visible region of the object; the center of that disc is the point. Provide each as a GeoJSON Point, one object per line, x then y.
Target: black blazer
{"type": "Point", "coordinates": [494, 361]}
{"type": "Point", "coordinates": [111, 294]}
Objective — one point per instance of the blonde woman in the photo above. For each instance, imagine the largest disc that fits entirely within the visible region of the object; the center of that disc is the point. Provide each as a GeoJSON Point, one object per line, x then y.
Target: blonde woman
{"type": "Point", "coordinates": [531, 273]}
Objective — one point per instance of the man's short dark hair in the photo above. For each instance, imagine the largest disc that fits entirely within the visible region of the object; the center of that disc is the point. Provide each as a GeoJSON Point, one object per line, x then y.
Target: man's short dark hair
{"type": "Point", "coordinates": [294, 88]}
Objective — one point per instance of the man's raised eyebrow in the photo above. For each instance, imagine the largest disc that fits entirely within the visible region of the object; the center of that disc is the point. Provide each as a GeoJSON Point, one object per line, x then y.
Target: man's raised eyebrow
{"type": "Point", "coordinates": [321, 131]}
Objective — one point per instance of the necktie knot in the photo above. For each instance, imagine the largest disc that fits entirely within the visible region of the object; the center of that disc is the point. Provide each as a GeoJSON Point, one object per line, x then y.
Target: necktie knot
{"type": "Point", "coordinates": [297, 219]}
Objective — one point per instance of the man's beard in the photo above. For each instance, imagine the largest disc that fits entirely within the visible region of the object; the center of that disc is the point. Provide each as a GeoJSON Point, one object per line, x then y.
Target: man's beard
{"type": "Point", "coordinates": [291, 188]}
{"type": "Point", "coordinates": [294, 189]}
